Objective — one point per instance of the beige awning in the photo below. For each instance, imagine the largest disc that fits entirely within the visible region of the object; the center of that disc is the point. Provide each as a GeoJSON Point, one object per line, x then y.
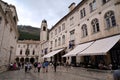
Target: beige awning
{"type": "Point", "coordinates": [52, 53]}
{"type": "Point", "coordinates": [78, 49]}
{"type": "Point", "coordinates": [100, 47]}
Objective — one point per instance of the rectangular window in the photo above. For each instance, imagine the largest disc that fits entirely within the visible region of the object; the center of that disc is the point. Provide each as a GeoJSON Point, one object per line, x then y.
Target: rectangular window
{"type": "Point", "coordinates": [82, 13]}
{"type": "Point", "coordinates": [92, 6]}
{"type": "Point", "coordinates": [71, 21]}
{"type": "Point", "coordinates": [71, 44]}
{"type": "Point", "coordinates": [51, 34]}
{"type": "Point", "coordinates": [63, 26]}
{"type": "Point", "coordinates": [105, 1]}
{"type": "Point", "coordinates": [59, 29]}
{"type": "Point", "coordinates": [72, 35]}
{"type": "Point", "coordinates": [51, 43]}
{"type": "Point", "coordinates": [55, 31]}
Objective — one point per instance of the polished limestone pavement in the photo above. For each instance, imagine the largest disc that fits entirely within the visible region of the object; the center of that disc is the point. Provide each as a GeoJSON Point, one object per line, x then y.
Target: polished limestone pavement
{"type": "Point", "coordinates": [61, 74]}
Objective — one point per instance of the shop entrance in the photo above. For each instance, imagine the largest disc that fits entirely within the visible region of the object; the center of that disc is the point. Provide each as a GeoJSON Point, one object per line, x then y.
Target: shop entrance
{"type": "Point", "coordinates": [115, 56]}
{"type": "Point", "coordinates": [73, 60]}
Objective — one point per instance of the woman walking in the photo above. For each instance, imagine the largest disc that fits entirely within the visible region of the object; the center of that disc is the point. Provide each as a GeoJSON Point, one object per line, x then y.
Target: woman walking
{"type": "Point", "coordinates": [39, 67]}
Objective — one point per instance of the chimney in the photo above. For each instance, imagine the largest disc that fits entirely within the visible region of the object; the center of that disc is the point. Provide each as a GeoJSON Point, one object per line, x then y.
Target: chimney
{"type": "Point", "coordinates": [72, 6]}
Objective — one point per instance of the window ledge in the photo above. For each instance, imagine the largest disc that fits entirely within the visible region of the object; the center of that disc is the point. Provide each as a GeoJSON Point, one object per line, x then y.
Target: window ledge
{"type": "Point", "coordinates": [92, 10]}
{"type": "Point", "coordinates": [108, 28]}
{"type": "Point", "coordinates": [84, 36]}
{"type": "Point", "coordinates": [95, 32]}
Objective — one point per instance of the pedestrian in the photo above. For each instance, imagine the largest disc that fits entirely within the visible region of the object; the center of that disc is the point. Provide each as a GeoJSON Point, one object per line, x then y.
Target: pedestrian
{"type": "Point", "coordinates": [116, 74]}
{"type": "Point", "coordinates": [55, 66]}
{"type": "Point", "coordinates": [19, 65]}
{"type": "Point", "coordinates": [67, 65]}
{"type": "Point", "coordinates": [43, 67]}
{"type": "Point", "coordinates": [39, 67]}
{"type": "Point", "coordinates": [14, 66]}
{"type": "Point", "coordinates": [29, 66]}
{"type": "Point", "coordinates": [26, 67]}
{"type": "Point", "coordinates": [11, 66]}
{"type": "Point", "coordinates": [35, 66]}
{"type": "Point", "coordinates": [46, 66]}
{"type": "Point", "coordinates": [22, 64]}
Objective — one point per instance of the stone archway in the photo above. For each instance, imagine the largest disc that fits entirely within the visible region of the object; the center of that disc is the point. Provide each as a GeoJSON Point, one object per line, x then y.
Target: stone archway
{"type": "Point", "coordinates": [17, 59]}
{"type": "Point", "coordinates": [32, 60]}
{"type": "Point", "coordinates": [22, 60]}
{"type": "Point", "coordinates": [27, 59]}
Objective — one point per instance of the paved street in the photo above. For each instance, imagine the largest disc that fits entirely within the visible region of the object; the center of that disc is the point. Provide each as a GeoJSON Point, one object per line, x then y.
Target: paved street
{"type": "Point", "coordinates": [61, 74]}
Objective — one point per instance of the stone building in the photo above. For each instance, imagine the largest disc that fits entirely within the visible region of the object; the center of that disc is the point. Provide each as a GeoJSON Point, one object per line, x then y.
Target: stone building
{"type": "Point", "coordinates": [8, 34]}
{"type": "Point", "coordinates": [27, 51]}
{"type": "Point", "coordinates": [89, 25]}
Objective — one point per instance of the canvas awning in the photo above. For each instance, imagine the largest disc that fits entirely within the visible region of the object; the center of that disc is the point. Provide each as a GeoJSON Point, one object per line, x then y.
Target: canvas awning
{"type": "Point", "coordinates": [78, 49]}
{"type": "Point", "coordinates": [100, 47]}
{"type": "Point", "coordinates": [52, 53]}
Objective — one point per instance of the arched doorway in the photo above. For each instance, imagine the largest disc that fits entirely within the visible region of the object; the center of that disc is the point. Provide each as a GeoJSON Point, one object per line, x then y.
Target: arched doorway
{"type": "Point", "coordinates": [22, 60]}
{"type": "Point", "coordinates": [32, 60]}
{"type": "Point", "coordinates": [26, 59]}
{"type": "Point", "coordinates": [17, 59]}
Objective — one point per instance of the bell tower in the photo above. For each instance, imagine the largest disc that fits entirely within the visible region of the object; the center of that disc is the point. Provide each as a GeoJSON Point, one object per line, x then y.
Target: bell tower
{"type": "Point", "coordinates": [43, 31]}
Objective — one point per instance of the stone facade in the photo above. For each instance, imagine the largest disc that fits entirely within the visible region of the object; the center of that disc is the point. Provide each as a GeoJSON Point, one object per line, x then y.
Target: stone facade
{"type": "Point", "coordinates": [89, 20]}
{"type": "Point", "coordinates": [27, 51]}
{"type": "Point", "coordinates": [8, 34]}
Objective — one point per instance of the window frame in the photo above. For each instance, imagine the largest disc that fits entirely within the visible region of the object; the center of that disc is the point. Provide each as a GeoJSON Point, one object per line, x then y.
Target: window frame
{"type": "Point", "coordinates": [63, 26]}
{"type": "Point", "coordinates": [109, 17]}
{"type": "Point", "coordinates": [63, 39]}
{"type": "Point", "coordinates": [105, 1]}
{"type": "Point", "coordinates": [82, 13]}
{"type": "Point", "coordinates": [72, 35]}
{"type": "Point", "coordinates": [44, 28]}
{"type": "Point", "coordinates": [84, 30]}
{"type": "Point", "coordinates": [59, 41]}
{"type": "Point", "coordinates": [93, 6]}
{"type": "Point", "coordinates": [95, 25]}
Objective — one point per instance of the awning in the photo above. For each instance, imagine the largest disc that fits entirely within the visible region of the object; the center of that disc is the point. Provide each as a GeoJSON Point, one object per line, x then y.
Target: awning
{"type": "Point", "coordinates": [52, 53]}
{"type": "Point", "coordinates": [78, 49]}
{"type": "Point", "coordinates": [100, 47]}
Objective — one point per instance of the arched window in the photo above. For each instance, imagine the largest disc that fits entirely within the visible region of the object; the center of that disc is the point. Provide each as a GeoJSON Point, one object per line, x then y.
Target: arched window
{"type": "Point", "coordinates": [59, 41]}
{"type": "Point", "coordinates": [95, 25]}
{"type": "Point", "coordinates": [84, 30]}
{"type": "Point", "coordinates": [63, 39]}
{"type": "Point", "coordinates": [27, 52]}
{"type": "Point", "coordinates": [55, 42]}
{"type": "Point", "coordinates": [44, 28]}
{"type": "Point", "coordinates": [110, 19]}
{"type": "Point", "coordinates": [21, 52]}
{"type": "Point", "coordinates": [33, 52]}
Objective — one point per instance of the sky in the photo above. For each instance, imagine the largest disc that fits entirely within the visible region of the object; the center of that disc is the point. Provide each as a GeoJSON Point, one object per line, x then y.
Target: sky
{"type": "Point", "coordinates": [32, 12]}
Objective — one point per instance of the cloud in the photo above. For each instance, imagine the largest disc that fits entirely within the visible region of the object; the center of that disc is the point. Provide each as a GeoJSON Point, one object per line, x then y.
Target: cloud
{"type": "Point", "coordinates": [32, 12]}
